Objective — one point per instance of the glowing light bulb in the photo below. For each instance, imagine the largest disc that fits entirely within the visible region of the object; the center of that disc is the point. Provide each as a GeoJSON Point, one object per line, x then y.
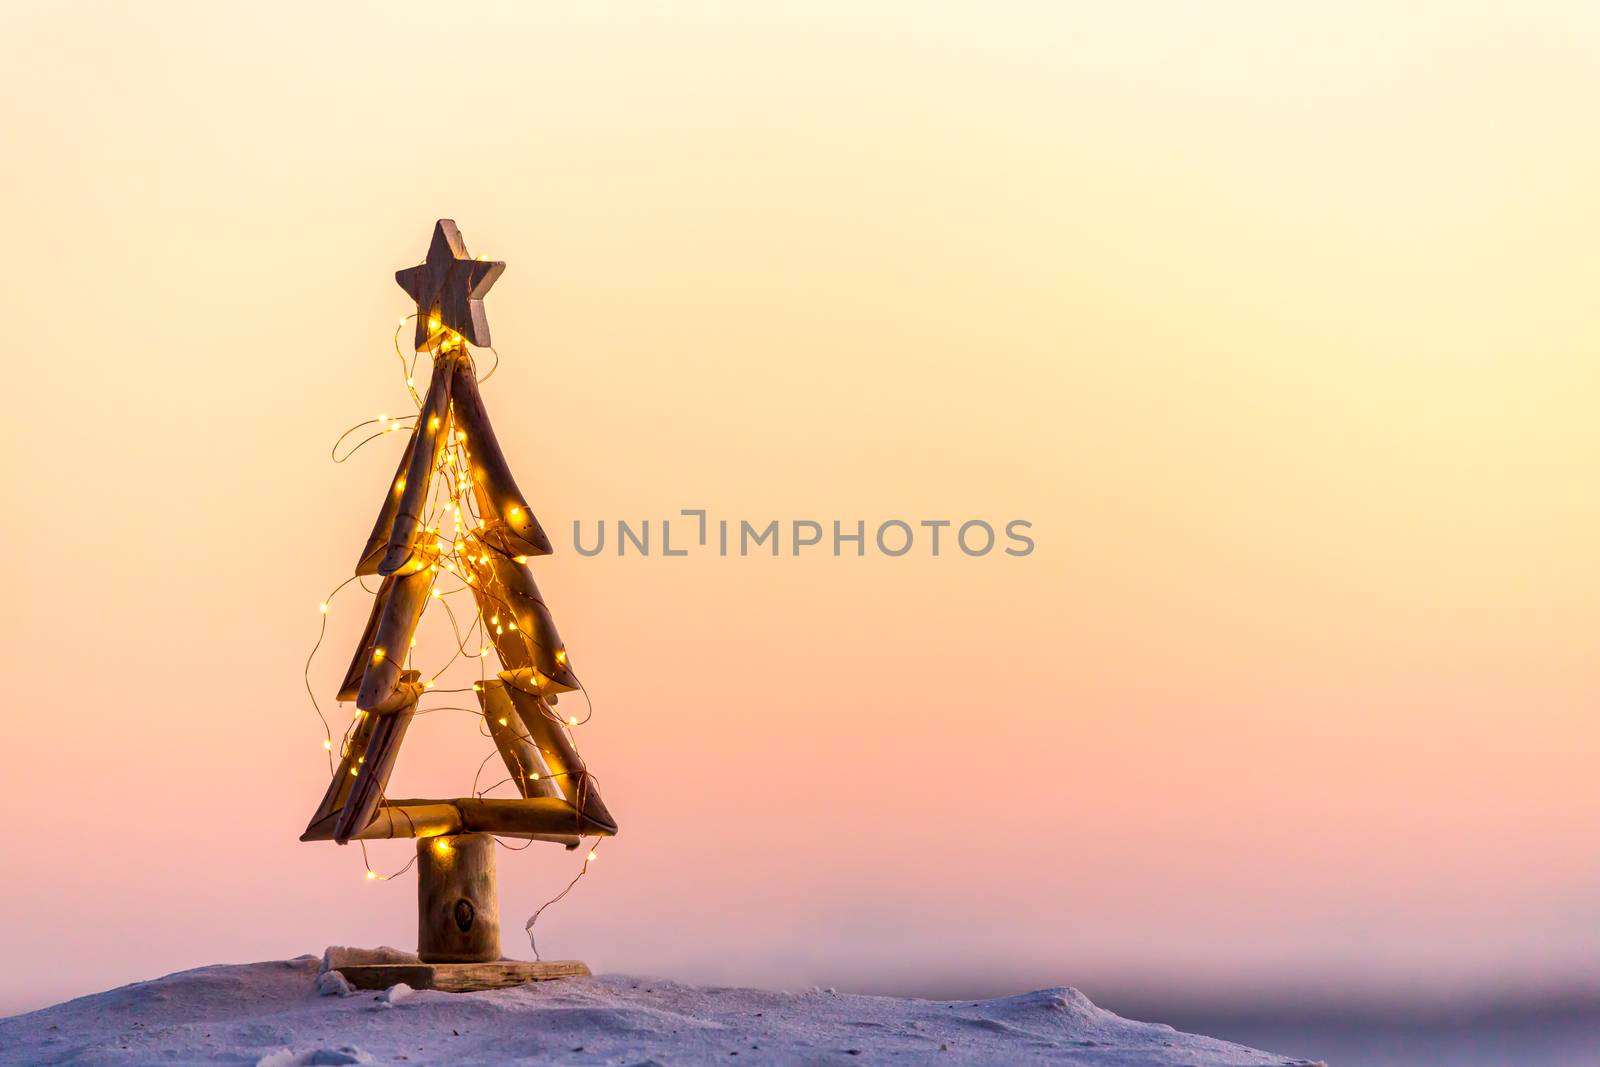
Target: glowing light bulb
{"type": "Point", "coordinates": [484, 651]}
{"type": "Point", "coordinates": [383, 416]}
{"type": "Point", "coordinates": [433, 423]}
{"type": "Point", "coordinates": [572, 720]}
{"type": "Point", "coordinates": [371, 874]}
{"type": "Point", "coordinates": [502, 722]}
{"type": "Point", "coordinates": [377, 654]}
{"type": "Point", "coordinates": [354, 773]}
{"type": "Point", "coordinates": [411, 382]}
{"type": "Point", "coordinates": [428, 684]}
{"type": "Point", "coordinates": [511, 625]}
{"type": "Point", "coordinates": [433, 324]}
{"type": "Point", "coordinates": [327, 746]}
{"type": "Point", "coordinates": [436, 594]}
{"type": "Point", "coordinates": [522, 559]}
{"type": "Point", "coordinates": [592, 856]}
{"type": "Point", "coordinates": [516, 513]}
{"type": "Point", "coordinates": [323, 607]}
{"type": "Point", "coordinates": [561, 656]}
{"type": "Point", "coordinates": [476, 688]}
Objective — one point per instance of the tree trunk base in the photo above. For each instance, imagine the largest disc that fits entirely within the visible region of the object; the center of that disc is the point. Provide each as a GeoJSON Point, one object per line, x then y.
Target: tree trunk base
{"type": "Point", "coordinates": [458, 929]}
{"type": "Point", "coordinates": [458, 907]}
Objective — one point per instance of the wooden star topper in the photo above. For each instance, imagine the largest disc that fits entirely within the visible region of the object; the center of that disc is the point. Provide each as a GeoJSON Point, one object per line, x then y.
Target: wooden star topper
{"type": "Point", "coordinates": [449, 287]}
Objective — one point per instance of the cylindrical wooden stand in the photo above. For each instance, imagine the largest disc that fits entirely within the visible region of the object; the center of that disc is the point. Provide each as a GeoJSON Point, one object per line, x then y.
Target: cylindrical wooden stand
{"type": "Point", "coordinates": [458, 908]}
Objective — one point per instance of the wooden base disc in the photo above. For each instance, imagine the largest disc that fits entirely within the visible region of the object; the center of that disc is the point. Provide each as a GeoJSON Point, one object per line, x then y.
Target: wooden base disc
{"type": "Point", "coordinates": [459, 977]}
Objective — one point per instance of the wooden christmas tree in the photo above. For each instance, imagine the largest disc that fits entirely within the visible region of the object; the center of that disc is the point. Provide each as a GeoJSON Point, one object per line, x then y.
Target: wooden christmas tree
{"type": "Point", "coordinates": [453, 521]}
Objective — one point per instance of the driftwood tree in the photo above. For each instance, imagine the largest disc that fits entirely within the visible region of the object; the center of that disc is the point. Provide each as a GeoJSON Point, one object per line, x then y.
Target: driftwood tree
{"type": "Point", "coordinates": [453, 521]}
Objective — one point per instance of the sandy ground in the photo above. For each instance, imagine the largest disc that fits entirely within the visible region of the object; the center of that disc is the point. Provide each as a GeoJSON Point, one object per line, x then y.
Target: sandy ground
{"type": "Point", "coordinates": [272, 1015]}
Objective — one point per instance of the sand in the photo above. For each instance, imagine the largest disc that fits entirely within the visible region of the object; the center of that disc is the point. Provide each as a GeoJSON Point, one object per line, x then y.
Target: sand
{"type": "Point", "coordinates": [273, 1015]}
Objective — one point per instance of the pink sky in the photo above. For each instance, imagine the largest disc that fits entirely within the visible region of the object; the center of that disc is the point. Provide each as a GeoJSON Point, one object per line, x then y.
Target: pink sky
{"type": "Point", "coordinates": [1279, 327]}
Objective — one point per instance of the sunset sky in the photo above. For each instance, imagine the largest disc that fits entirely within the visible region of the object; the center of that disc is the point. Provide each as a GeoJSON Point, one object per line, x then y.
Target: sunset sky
{"type": "Point", "coordinates": [1277, 322]}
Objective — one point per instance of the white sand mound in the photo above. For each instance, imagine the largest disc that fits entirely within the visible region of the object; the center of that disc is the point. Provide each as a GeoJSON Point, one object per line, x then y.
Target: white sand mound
{"type": "Point", "coordinates": [272, 1015]}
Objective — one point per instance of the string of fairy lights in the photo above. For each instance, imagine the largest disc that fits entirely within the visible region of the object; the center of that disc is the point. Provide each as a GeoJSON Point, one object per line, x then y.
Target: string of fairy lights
{"type": "Point", "coordinates": [449, 542]}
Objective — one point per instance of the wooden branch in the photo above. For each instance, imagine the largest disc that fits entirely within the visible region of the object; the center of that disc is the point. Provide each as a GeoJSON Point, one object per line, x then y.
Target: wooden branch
{"type": "Point", "coordinates": [551, 819]}
{"type": "Point", "coordinates": [505, 589]}
{"type": "Point", "coordinates": [387, 694]}
{"type": "Point", "coordinates": [510, 525]}
{"type": "Point", "coordinates": [527, 767]}
{"type": "Point", "coordinates": [427, 442]}
{"type": "Point", "coordinates": [355, 755]}
{"type": "Point", "coordinates": [350, 688]}
{"type": "Point", "coordinates": [409, 818]}
{"type": "Point", "coordinates": [536, 817]}
{"type": "Point", "coordinates": [549, 736]}
{"type": "Point", "coordinates": [350, 756]}
{"type": "Point", "coordinates": [370, 773]}
{"type": "Point", "coordinates": [382, 687]}
{"type": "Point", "coordinates": [378, 540]}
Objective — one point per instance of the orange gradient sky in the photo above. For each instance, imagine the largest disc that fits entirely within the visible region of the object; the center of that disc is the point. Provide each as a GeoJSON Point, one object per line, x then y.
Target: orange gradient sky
{"type": "Point", "coordinates": [1277, 321]}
